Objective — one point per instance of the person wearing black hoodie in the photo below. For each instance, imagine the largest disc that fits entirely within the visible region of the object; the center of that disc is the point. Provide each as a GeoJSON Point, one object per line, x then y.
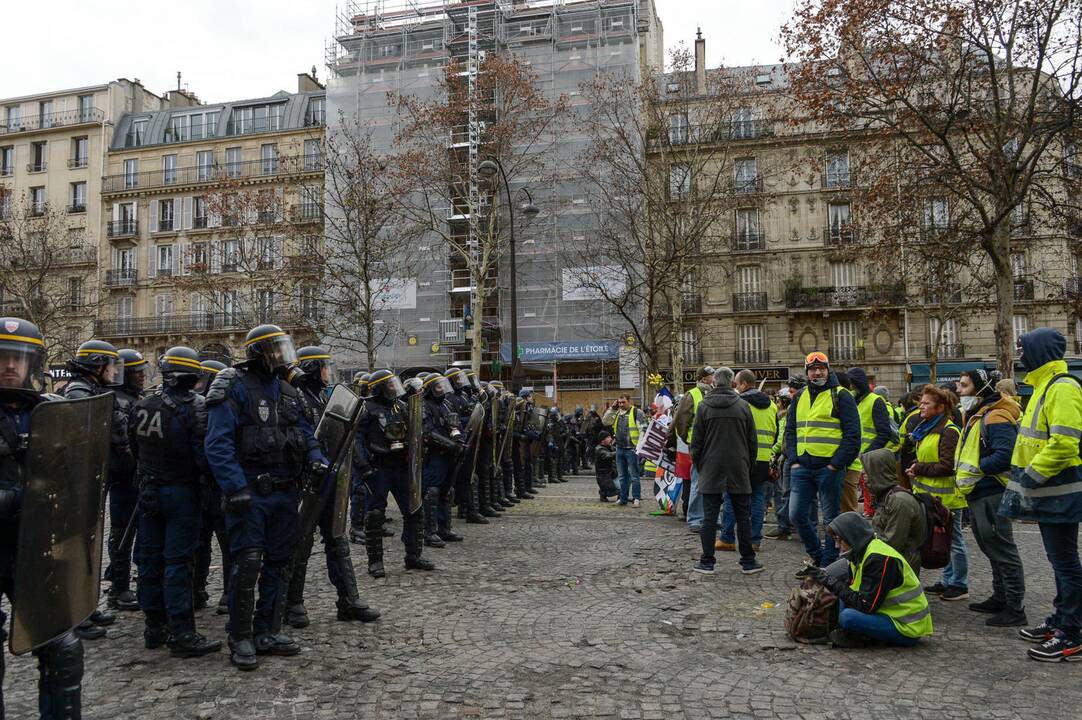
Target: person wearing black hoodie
{"type": "Point", "coordinates": [822, 436]}
{"type": "Point", "coordinates": [766, 431]}
{"type": "Point", "coordinates": [875, 432]}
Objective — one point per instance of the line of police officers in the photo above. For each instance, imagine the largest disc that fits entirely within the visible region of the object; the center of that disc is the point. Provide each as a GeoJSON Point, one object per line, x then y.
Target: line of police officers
{"type": "Point", "coordinates": [225, 452]}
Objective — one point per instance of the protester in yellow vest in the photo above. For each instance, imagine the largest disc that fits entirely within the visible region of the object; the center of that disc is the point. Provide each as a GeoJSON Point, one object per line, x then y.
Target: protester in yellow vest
{"type": "Point", "coordinates": [683, 422]}
{"type": "Point", "coordinates": [1045, 486]}
{"type": "Point", "coordinates": [875, 432]}
{"type": "Point", "coordinates": [882, 599]}
{"type": "Point", "coordinates": [765, 415]}
{"type": "Point", "coordinates": [626, 421]}
{"type": "Point", "coordinates": [935, 439]}
{"type": "Point", "coordinates": [982, 466]}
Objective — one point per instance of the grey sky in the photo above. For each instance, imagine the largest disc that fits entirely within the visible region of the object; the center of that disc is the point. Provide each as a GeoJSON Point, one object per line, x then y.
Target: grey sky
{"type": "Point", "coordinates": [236, 49]}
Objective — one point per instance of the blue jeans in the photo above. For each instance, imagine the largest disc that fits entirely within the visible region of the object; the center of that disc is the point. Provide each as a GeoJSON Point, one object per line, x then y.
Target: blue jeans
{"type": "Point", "coordinates": [1061, 545]}
{"type": "Point", "coordinates": [876, 626]}
{"type": "Point", "coordinates": [758, 509]}
{"type": "Point", "coordinates": [956, 574]}
{"type": "Point", "coordinates": [630, 471]}
{"type": "Point", "coordinates": [781, 500]}
{"type": "Point", "coordinates": [165, 553]}
{"type": "Point", "coordinates": [695, 501]}
{"type": "Point", "coordinates": [805, 485]}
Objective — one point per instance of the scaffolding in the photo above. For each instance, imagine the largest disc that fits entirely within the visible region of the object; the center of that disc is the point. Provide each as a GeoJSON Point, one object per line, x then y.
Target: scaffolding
{"type": "Point", "coordinates": [400, 47]}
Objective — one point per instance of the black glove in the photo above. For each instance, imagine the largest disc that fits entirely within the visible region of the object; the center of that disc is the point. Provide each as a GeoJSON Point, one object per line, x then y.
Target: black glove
{"type": "Point", "coordinates": [148, 499]}
{"type": "Point", "coordinates": [318, 468]}
{"type": "Point", "coordinates": [239, 502]}
{"type": "Point", "coordinates": [818, 575]}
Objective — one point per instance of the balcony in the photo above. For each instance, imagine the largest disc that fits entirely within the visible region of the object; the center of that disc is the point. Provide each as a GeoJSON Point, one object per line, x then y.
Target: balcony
{"type": "Point", "coordinates": [7, 171]}
{"type": "Point", "coordinates": [37, 167]}
{"type": "Point", "coordinates": [846, 353]}
{"type": "Point", "coordinates": [748, 186]}
{"type": "Point", "coordinates": [691, 304]}
{"type": "Point", "coordinates": [709, 133]}
{"type": "Point", "coordinates": [203, 174]}
{"type": "Point", "coordinates": [747, 241]}
{"type": "Point", "coordinates": [53, 120]}
{"type": "Point", "coordinates": [840, 235]}
{"type": "Point", "coordinates": [175, 323]}
{"type": "Point", "coordinates": [946, 351]}
{"type": "Point", "coordinates": [837, 180]}
{"type": "Point", "coordinates": [750, 129]}
{"type": "Point", "coordinates": [1072, 288]}
{"type": "Point", "coordinates": [1023, 290]}
{"type": "Point", "coordinates": [79, 207]}
{"type": "Point", "coordinates": [120, 278]}
{"type": "Point", "coordinates": [37, 209]}
{"type": "Point", "coordinates": [749, 302]}
{"type": "Point", "coordinates": [747, 356]}
{"type": "Point", "coordinates": [303, 263]}
{"type": "Point", "coordinates": [76, 256]}
{"type": "Point", "coordinates": [844, 297]}
{"type": "Point", "coordinates": [950, 295]}
{"type": "Point", "coordinates": [306, 212]}
{"type": "Point", "coordinates": [122, 228]}
{"type": "Point", "coordinates": [79, 162]}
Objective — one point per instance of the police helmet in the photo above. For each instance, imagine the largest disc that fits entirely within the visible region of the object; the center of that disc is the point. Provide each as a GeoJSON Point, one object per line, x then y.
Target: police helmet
{"type": "Point", "coordinates": [270, 346]}
{"type": "Point", "coordinates": [135, 368]}
{"type": "Point", "coordinates": [525, 393]}
{"type": "Point", "coordinates": [554, 412]}
{"type": "Point", "coordinates": [797, 381]}
{"type": "Point", "coordinates": [579, 412]}
{"type": "Point", "coordinates": [385, 384]}
{"type": "Point", "coordinates": [458, 378]}
{"type": "Point", "coordinates": [436, 386]}
{"type": "Point", "coordinates": [475, 383]}
{"type": "Point", "coordinates": [180, 367]}
{"type": "Point", "coordinates": [413, 385]}
{"type": "Point", "coordinates": [210, 369]}
{"type": "Point", "coordinates": [22, 356]}
{"type": "Point", "coordinates": [101, 359]}
{"type": "Point", "coordinates": [360, 383]}
{"type": "Point", "coordinates": [496, 384]}
{"type": "Point", "coordinates": [316, 363]}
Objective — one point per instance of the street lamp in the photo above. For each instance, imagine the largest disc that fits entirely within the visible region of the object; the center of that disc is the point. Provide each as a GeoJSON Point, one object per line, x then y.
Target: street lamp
{"type": "Point", "coordinates": [489, 169]}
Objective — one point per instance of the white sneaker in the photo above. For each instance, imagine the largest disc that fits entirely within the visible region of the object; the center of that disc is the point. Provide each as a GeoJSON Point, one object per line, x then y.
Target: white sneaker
{"type": "Point", "coordinates": [635, 504]}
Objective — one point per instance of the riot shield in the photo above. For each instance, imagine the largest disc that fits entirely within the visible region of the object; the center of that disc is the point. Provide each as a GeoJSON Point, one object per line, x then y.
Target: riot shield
{"type": "Point", "coordinates": [535, 420]}
{"type": "Point", "coordinates": [497, 436]}
{"type": "Point", "coordinates": [343, 485]}
{"type": "Point", "coordinates": [415, 452]}
{"type": "Point", "coordinates": [335, 432]}
{"type": "Point", "coordinates": [473, 437]}
{"type": "Point", "coordinates": [58, 562]}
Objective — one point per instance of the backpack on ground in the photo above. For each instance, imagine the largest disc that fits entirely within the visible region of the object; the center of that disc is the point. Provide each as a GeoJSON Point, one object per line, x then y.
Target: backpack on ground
{"type": "Point", "coordinates": [935, 553]}
{"type": "Point", "coordinates": [812, 613]}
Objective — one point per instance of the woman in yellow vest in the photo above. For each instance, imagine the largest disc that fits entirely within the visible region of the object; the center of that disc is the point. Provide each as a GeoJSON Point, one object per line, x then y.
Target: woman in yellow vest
{"type": "Point", "coordinates": [882, 598]}
{"type": "Point", "coordinates": [983, 467]}
{"type": "Point", "coordinates": [934, 439]}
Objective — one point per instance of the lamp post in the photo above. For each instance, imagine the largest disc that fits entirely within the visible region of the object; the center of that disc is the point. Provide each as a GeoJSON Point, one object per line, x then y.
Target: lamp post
{"type": "Point", "coordinates": [489, 169]}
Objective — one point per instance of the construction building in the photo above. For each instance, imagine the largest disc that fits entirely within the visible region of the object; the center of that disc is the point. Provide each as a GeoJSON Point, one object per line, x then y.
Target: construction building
{"type": "Point", "coordinates": [567, 339]}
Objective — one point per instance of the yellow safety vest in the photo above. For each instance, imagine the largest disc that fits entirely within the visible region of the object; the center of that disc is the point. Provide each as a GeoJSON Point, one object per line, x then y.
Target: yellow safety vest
{"type": "Point", "coordinates": [696, 398]}
{"type": "Point", "coordinates": [905, 605]}
{"type": "Point", "coordinates": [944, 488]}
{"type": "Point", "coordinates": [766, 429]}
{"type": "Point", "coordinates": [1045, 449]}
{"type": "Point", "coordinates": [818, 432]}
{"type": "Point", "coordinates": [867, 427]}
{"type": "Point", "coordinates": [632, 425]}
{"type": "Point", "coordinates": [967, 459]}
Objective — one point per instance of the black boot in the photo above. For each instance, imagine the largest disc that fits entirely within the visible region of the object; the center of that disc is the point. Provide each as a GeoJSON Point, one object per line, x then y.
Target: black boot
{"type": "Point", "coordinates": [354, 610]}
{"type": "Point", "coordinates": [201, 598]}
{"type": "Point", "coordinates": [155, 634]}
{"type": "Point", "coordinates": [473, 514]}
{"type": "Point", "coordinates": [429, 508]}
{"type": "Point", "coordinates": [223, 605]}
{"type": "Point", "coordinates": [443, 528]}
{"type": "Point", "coordinates": [102, 617]}
{"type": "Point", "coordinates": [192, 644]}
{"type": "Point", "coordinates": [411, 533]}
{"type": "Point", "coordinates": [122, 600]}
{"type": "Point", "coordinates": [276, 642]}
{"type": "Point", "coordinates": [356, 535]}
{"type": "Point", "coordinates": [483, 497]}
{"type": "Point", "coordinates": [296, 615]}
{"type": "Point", "coordinates": [60, 681]}
{"type": "Point", "coordinates": [242, 610]}
{"type": "Point", "coordinates": [373, 542]}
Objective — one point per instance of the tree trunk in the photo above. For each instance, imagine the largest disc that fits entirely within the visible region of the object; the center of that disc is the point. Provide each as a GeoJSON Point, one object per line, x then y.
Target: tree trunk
{"type": "Point", "coordinates": [1004, 329]}
{"type": "Point", "coordinates": [477, 311]}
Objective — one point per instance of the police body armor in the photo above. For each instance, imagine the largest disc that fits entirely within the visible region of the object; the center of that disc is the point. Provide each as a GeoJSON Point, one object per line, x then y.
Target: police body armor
{"type": "Point", "coordinates": [443, 433]}
{"type": "Point", "coordinates": [166, 460]}
{"type": "Point", "coordinates": [270, 439]}
{"type": "Point", "coordinates": [388, 431]}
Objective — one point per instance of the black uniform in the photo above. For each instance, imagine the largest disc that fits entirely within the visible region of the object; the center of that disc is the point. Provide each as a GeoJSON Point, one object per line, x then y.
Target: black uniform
{"type": "Point", "coordinates": [443, 447]}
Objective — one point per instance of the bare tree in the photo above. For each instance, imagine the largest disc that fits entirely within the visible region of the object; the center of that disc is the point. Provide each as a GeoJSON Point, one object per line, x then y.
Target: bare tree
{"type": "Point", "coordinates": [965, 105]}
{"type": "Point", "coordinates": [501, 113]}
{"type": "Point", "coordinates": [47, 273]}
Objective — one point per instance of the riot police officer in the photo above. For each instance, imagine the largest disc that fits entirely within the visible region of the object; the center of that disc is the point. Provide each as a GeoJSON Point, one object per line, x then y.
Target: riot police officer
{"type": "Point", "coordinates": [22, 382]}
{"type": "Point", "coordinates": [315, 363]}
{"type": "Point", "coordinates": [525, 436]}
{"type": "Point", "coordinates": [168, 430]}
{"type": "Point", "coordinates": [483, 471]}
{"type": "Point", "coordinates": [443, 447]}
{"type": "Point", "coordinates": [462, 401]}
{"type": "Point", "coordinates": [555, 445]}
{"type": "Point", "coordinates": [361, 469]}
{"type": "Point", "coordinates": [384, 429]}
{"type": "Point", "coordinates": [258, 443]}
{"type": "Point", "coordinates": [494, 493]}
{"type": "Point", "coordinates": [504, 465]}
{"type": "Point", "coordinates": [213, 524]}
{"type": "Point", "coordinates": [97, 369]}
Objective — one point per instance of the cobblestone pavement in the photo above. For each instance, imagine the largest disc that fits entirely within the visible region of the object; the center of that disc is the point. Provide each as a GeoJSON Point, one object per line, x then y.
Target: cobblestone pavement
{"type": "Point", "coordinates": [566, 608]}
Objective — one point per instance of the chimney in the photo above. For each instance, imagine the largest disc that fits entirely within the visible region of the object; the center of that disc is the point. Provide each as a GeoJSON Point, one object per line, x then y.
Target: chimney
{"type": "Point", "coordinates": [306, 82]}
{"type": "Point", "coordinates": [700, 62]}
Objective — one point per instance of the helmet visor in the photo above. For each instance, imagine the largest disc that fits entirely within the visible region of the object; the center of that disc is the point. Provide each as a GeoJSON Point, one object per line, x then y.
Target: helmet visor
{"type": "Point", "coordinates": [278, 351]}
{"type": "Point", "coordinates": [439, 386]}
{"type": "Point", "coordinates": [112, 372]}
{"type": "Point", "coordinates": [459, 380]}
{"type": "Point", "coordinates": [474, 382]}
{"type": "Point", "coordinates": [391, 388]}
{"type": "Point", "coordinates": [22, 366]}
{"type": "Point", "coordinates": [142, 376]}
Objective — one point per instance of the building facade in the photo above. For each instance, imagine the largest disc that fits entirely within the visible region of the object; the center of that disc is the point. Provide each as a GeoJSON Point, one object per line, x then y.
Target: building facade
{"type": "Point", "coordinates": [211, 222]}
{"type": "Point", "coordinates": [52, 158]}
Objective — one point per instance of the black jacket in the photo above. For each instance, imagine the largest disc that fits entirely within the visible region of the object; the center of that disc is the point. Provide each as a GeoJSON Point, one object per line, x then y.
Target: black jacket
{"type": "Point", "coordinates": [724, 444]}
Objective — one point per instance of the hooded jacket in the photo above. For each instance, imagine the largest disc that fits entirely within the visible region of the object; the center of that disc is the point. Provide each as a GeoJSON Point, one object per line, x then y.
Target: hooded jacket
{"type": "Point", "coordinates": [846, 408]}
{"type": "Point", "coordinates": [880, 411]}
{"type": "Point", "coordinates": [724, 444]}
{"type": "Point", "coordinates": [899, 519]}
{"type": "Point", "coordinates": [1000, 416]}
{"type": "Point", "coordinates": [878, 578]}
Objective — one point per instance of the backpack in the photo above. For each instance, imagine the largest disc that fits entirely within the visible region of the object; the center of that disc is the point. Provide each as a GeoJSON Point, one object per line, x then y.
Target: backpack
{"type": "Point", "coordinates": [811, 614]}
{"type": "Point", "coordinates": [936, 551]}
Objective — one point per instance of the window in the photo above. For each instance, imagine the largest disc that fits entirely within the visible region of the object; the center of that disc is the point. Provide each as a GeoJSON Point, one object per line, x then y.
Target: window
{"type": "Point", "coordinates": [38, 157]}
{"type": "Point", "coordinates": [843, 275]}
{"type": "Point", "coordinates": [241, 122]}
{"type": "Point", "coordinates": [689, 345]}
{"type": "Point", "coordinates": [75, 292]}
{"type": "Point", "coordinates": [124, 308]}
{"type": "Point", "coordinates": [937, 214]}
{"type": "Point", "coordinates": [204, 165]}
{"type": "Point", "coordinates": [837, 170]}
{"type": "Point", "coordinates": [312, 155]}
{"type": "Point", "coordinates": [1020, 325]}
{"type": "Point", "coordinates": [943, 335]}
{"type": "Point", "coordinates": [317, 112]}
{"type": "Point", "coordinates": [7, 160]}
{"type": "Point", "coordinates": [5, 204]}
{"type": "Point", "coordinates": [163, 305]}
{"type": "Point", "coordinates": [230, 255]}
{"type": "Point", "coordinates": [13, 117]}
{"type": "Point", "coordinates": [86, 105]}
{"type": "Point", "coordinates": [256, 119]}
{"type": "Point", "coordinates": [1018, 265]}
{"type": "Point", "coordinates": [268, 155]}
{"type": "Point", "coordinates": [232, 162]}
{"type": "Point", "coordinates": [199, 257]}
{"type": "Point", "coordinates": [748, 279]}
{"type": "Point", "coordinates": [268, 247]}
{"type": "Point", "coordinates": [169, 169]}
{"type": "Point", "coordinates": [37, 201]}
{"type": "Point", "coordinates": [45, 114]}
{"type": "Point", "coordinates": [131, 173]}
{"type": "Point", "coordinates": [309, 302]}
{"type": "Point", "coordinates": [165, 259]}
{"type": "Point", "coordinates": [199, 213]}
{"type": "Point", "coordinates": [748, 236]}
{"type": "Point", "coordinates": [137, 135]}
{"type": "Point", "coordinates": [1072, 167]}
{"type": "Point", "coordinates": [678, 128]}
{"type": "Point", "coordinates": [80, 152]}
{"type": "Point", "coordinates": [166, 215]}
{"type": "Point", "coordinates": [125, 259]}
{"type": "Point", "coordinates": [310, 201]}
{"type": "Point", "coordinates": [679, 182]}
{"type": "Point", "coordinates": [744, 124]}
{"type": "Point", "coordinates": [268, 301]}
{"type": "Point", "coordinates": [844, 347]}
{"type": "Point", "coordinates": [750, 343]}
{"type": "Point", "coordinates": [78, 197]}
{"type": "Point", "coordinates": [839, 229]}
{"type": "Point", "coordinates": [747, 175]}
{"type": "Point", "coordinates": [389, 50]}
